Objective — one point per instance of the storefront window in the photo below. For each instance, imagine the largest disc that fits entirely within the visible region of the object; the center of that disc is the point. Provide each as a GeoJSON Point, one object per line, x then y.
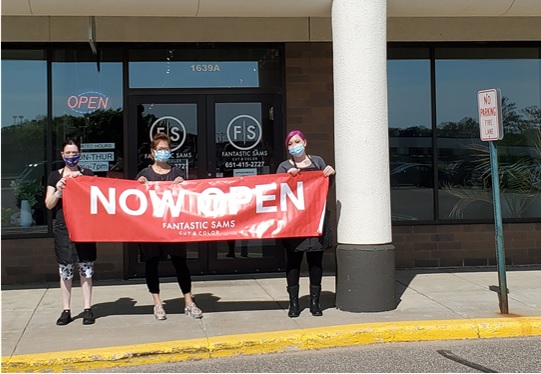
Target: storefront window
{"type": "Point", "coordinates": [465, 189]}
{"type": "Point", "coordinates": [205, 68]}
{"type": "Point", "coordinates": [24, 131]}
{"type": "Point", "coordinates": [463, 163]}
{"type": "Point", "coordinates": [87, 107]}
{"type": "Point", "coordinates": [410, 135]}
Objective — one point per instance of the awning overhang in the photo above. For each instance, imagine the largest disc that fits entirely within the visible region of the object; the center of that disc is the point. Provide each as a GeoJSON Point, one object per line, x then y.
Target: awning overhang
{"type": "Point", "coordinates": [264, 8]}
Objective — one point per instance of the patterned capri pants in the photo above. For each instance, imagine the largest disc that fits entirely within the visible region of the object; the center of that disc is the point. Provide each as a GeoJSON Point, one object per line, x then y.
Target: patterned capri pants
{"type": "Point", "coordinates": [86, 270]}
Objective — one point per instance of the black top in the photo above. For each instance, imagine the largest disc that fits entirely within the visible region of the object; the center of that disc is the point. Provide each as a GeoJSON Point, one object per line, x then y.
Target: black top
{"type": "Point", "coordinates": [151, 175]}
{"type": "Point", "coordinates": [161, 250]}
{"type": "Point", "coordinates": [317, 164]}
{"type": "Point", "coordinates": [54, 177]}
{"type": "Point", "coordinates": [318, 243]}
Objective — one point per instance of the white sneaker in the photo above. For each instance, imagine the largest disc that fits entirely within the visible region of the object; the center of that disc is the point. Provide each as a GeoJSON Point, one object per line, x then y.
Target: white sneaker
{"type": "Point", "coordinates": [159, 312]}
{"type": "Point", "coordinates": [193, 311]}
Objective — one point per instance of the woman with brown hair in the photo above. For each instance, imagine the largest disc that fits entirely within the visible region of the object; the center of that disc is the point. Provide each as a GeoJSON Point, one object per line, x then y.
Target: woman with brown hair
{"type": "Point", "coordinates": [153, 253]}
{"type": "Point", "coordinates": [68, 253]}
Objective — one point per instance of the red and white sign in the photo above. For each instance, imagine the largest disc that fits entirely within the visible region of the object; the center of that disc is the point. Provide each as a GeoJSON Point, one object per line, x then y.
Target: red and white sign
{"type": "Point", "coordinates": [490, 114]}
{"type": "Point", "coordinates": [254, 207]}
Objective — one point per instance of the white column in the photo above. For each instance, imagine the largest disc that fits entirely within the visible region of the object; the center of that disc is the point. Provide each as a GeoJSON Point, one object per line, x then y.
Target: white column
{"type": "Point", "coordinates": [360, 121]}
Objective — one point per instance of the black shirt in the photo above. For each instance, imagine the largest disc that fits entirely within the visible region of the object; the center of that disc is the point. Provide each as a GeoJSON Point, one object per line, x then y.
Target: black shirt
{"type": "Point", "coordinates": [151, 175]}
{"type": "Point", "coordinates": [54, 177]}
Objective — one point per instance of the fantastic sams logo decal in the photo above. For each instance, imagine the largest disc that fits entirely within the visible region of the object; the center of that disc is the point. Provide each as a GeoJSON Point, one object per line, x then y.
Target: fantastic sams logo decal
{"type": "Point", "coordinates": [244, 132]}
{"type": "Point", "coordinates": [173, 127]}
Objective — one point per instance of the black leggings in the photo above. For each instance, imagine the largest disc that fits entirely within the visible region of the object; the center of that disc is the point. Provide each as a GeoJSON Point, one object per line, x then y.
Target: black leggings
{"type": "Point", "coordinates": [293, 267]}
{"type": "Point", "coordinates": [181, 268]}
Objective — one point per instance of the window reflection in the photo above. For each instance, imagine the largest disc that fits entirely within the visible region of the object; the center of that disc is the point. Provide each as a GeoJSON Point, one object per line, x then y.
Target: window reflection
{"type": "Point", "coordinates": [463, 159]}
{"type": "Point", "coordinates": [410, 139]}
{"type": "Point", "coordinates": [204, 68]}
{"type": "Point", "coordinates": [179, 122]}
{"type": "Point", "coordinates": [87, 107]}
{"type": "Point", "coordinates": [24, 124]}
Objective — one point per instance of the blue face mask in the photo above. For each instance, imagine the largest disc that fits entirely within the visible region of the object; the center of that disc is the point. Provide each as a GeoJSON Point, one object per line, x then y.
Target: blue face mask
{"type": "Point", "coordinates": [72, 161]}
{"type": "Point", "coordinates": [296, 150]}
{"type": "Point", "coordinates": [162, 155]}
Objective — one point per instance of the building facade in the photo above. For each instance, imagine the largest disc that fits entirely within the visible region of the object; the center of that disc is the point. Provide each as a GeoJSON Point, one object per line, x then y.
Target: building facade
{"type": "Point", "coordinates": [387, 93]}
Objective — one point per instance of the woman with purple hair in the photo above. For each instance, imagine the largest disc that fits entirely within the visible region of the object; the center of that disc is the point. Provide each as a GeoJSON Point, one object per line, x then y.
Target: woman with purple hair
{"type": "Point", "coordinates": [313, 246]}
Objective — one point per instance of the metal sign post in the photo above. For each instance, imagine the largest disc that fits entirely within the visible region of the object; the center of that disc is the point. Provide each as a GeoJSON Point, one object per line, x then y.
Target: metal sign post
{"type": "Point", "coordinates": [491, 130]}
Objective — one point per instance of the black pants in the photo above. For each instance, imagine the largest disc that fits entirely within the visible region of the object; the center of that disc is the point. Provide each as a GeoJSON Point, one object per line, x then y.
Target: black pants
{"type": "Point", "coordinates": [293, 267]}
{"type": "Point", "coordinates": [152, 276]}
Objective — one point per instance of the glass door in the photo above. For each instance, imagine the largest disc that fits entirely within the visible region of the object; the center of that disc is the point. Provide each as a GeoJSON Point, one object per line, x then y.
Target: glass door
{"type": "Point", "coordinates": [244, 139]}
{"type": "Point", "coordinates": [213, 136]}
{"type": "Point", "coordinates": [179, 116]}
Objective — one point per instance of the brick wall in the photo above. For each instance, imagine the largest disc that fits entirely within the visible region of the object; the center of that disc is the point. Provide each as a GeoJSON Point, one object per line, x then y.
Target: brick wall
{"type": "Point", "coordinates": [309, 95]}
{"type": "Point", "coordinates": [465, 245]}
{"type": "Point", "coordinates": [26, 261]}
{"type": "Point", "coordinates": [310, 108]}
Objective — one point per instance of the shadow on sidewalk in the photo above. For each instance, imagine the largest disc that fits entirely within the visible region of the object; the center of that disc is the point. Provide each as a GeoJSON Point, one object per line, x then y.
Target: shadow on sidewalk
{"type": "Point", "coordinates": [208, 302]}
{"type": "Point", "coordinates": [407, 275]}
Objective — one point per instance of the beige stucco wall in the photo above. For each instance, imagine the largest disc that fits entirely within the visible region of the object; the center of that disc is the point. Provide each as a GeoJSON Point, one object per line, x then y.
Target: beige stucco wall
{"type": "Point", "coordinates": [290, 29]}
{"type": "Point", "coordinates": [464, 29]}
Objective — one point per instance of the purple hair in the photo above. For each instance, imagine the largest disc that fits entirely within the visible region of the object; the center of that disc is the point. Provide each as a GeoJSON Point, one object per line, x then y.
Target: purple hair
{"type": "Point", "coordinates": [292, 134]}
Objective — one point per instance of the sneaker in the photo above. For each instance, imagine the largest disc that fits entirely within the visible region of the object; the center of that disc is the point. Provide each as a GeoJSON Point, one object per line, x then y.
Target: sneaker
{"type": "Point", "coordinates": [193, 311]}
{"type": "Point", "coordinates": [65, 318]}
{"type": "Point", "coordinates": [159, 312]}
{"type": "Point", "coordinates": [88, 317]}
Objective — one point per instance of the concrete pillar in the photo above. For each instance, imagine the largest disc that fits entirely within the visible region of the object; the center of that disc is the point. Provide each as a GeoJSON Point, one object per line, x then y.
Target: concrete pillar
{"type": "Point", "coordinates": [362, 157]}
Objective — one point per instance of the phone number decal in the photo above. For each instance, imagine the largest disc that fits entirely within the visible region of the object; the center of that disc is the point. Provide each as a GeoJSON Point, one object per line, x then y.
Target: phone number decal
{"type": "Point", "coordinates": [245, 164]}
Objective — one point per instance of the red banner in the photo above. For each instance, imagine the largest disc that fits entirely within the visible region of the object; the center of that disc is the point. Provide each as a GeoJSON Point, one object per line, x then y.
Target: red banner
{"type": "Point", "coordinates": [254, 207]}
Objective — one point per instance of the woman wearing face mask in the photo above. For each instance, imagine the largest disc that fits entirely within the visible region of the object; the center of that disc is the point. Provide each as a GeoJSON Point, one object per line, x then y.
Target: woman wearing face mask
{"type": "Point", "coordinates": [295, 247]}
{"type": "Point", "coordinates": [68, 253]}
{"type": "Point", "coordinates": [152, 253]}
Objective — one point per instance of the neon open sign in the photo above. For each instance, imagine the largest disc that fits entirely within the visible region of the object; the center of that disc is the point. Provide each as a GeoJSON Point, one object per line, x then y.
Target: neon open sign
{"type": "Point", "coordinates": [88, 102]}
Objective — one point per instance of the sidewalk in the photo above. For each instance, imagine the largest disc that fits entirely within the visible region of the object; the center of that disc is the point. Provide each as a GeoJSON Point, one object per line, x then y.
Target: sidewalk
{"type": "Point", "coordinates": [248, 314]}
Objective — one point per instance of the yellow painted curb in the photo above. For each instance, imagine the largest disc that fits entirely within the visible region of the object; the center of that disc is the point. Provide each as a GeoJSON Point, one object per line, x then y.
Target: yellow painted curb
{"type": "Point", "coordinates": [272, 342]}
{"type": "Point", "coordinates": [129, 355]}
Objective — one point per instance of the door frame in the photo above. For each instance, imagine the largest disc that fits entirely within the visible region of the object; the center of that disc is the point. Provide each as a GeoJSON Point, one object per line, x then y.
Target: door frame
{"type": "Point", "coordinates": [207, 261]}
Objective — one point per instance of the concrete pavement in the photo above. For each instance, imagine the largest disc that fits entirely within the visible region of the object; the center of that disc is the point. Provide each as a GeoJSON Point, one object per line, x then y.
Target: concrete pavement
{"type": "Point", "coordinates": [248, 315]}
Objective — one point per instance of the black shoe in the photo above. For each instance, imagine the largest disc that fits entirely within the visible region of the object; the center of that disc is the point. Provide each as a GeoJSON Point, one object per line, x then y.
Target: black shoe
{"type": "Point", "coordinates": [294, 307]}
{"type": "Point", "coordinates": [88, 317]}
{"type": "Point", "coordinates": [315, 309]}
{"type": "Point", "coordinates": [65, 318]}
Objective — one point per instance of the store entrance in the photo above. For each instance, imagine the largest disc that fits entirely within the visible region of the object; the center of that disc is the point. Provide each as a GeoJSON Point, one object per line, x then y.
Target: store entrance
{"type": "Point", "coordinates": [213, 136]}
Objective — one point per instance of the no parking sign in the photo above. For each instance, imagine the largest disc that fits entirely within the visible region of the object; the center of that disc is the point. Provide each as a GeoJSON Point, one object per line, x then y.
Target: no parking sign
{"type": "Point", "coordinates": [489, 103]}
